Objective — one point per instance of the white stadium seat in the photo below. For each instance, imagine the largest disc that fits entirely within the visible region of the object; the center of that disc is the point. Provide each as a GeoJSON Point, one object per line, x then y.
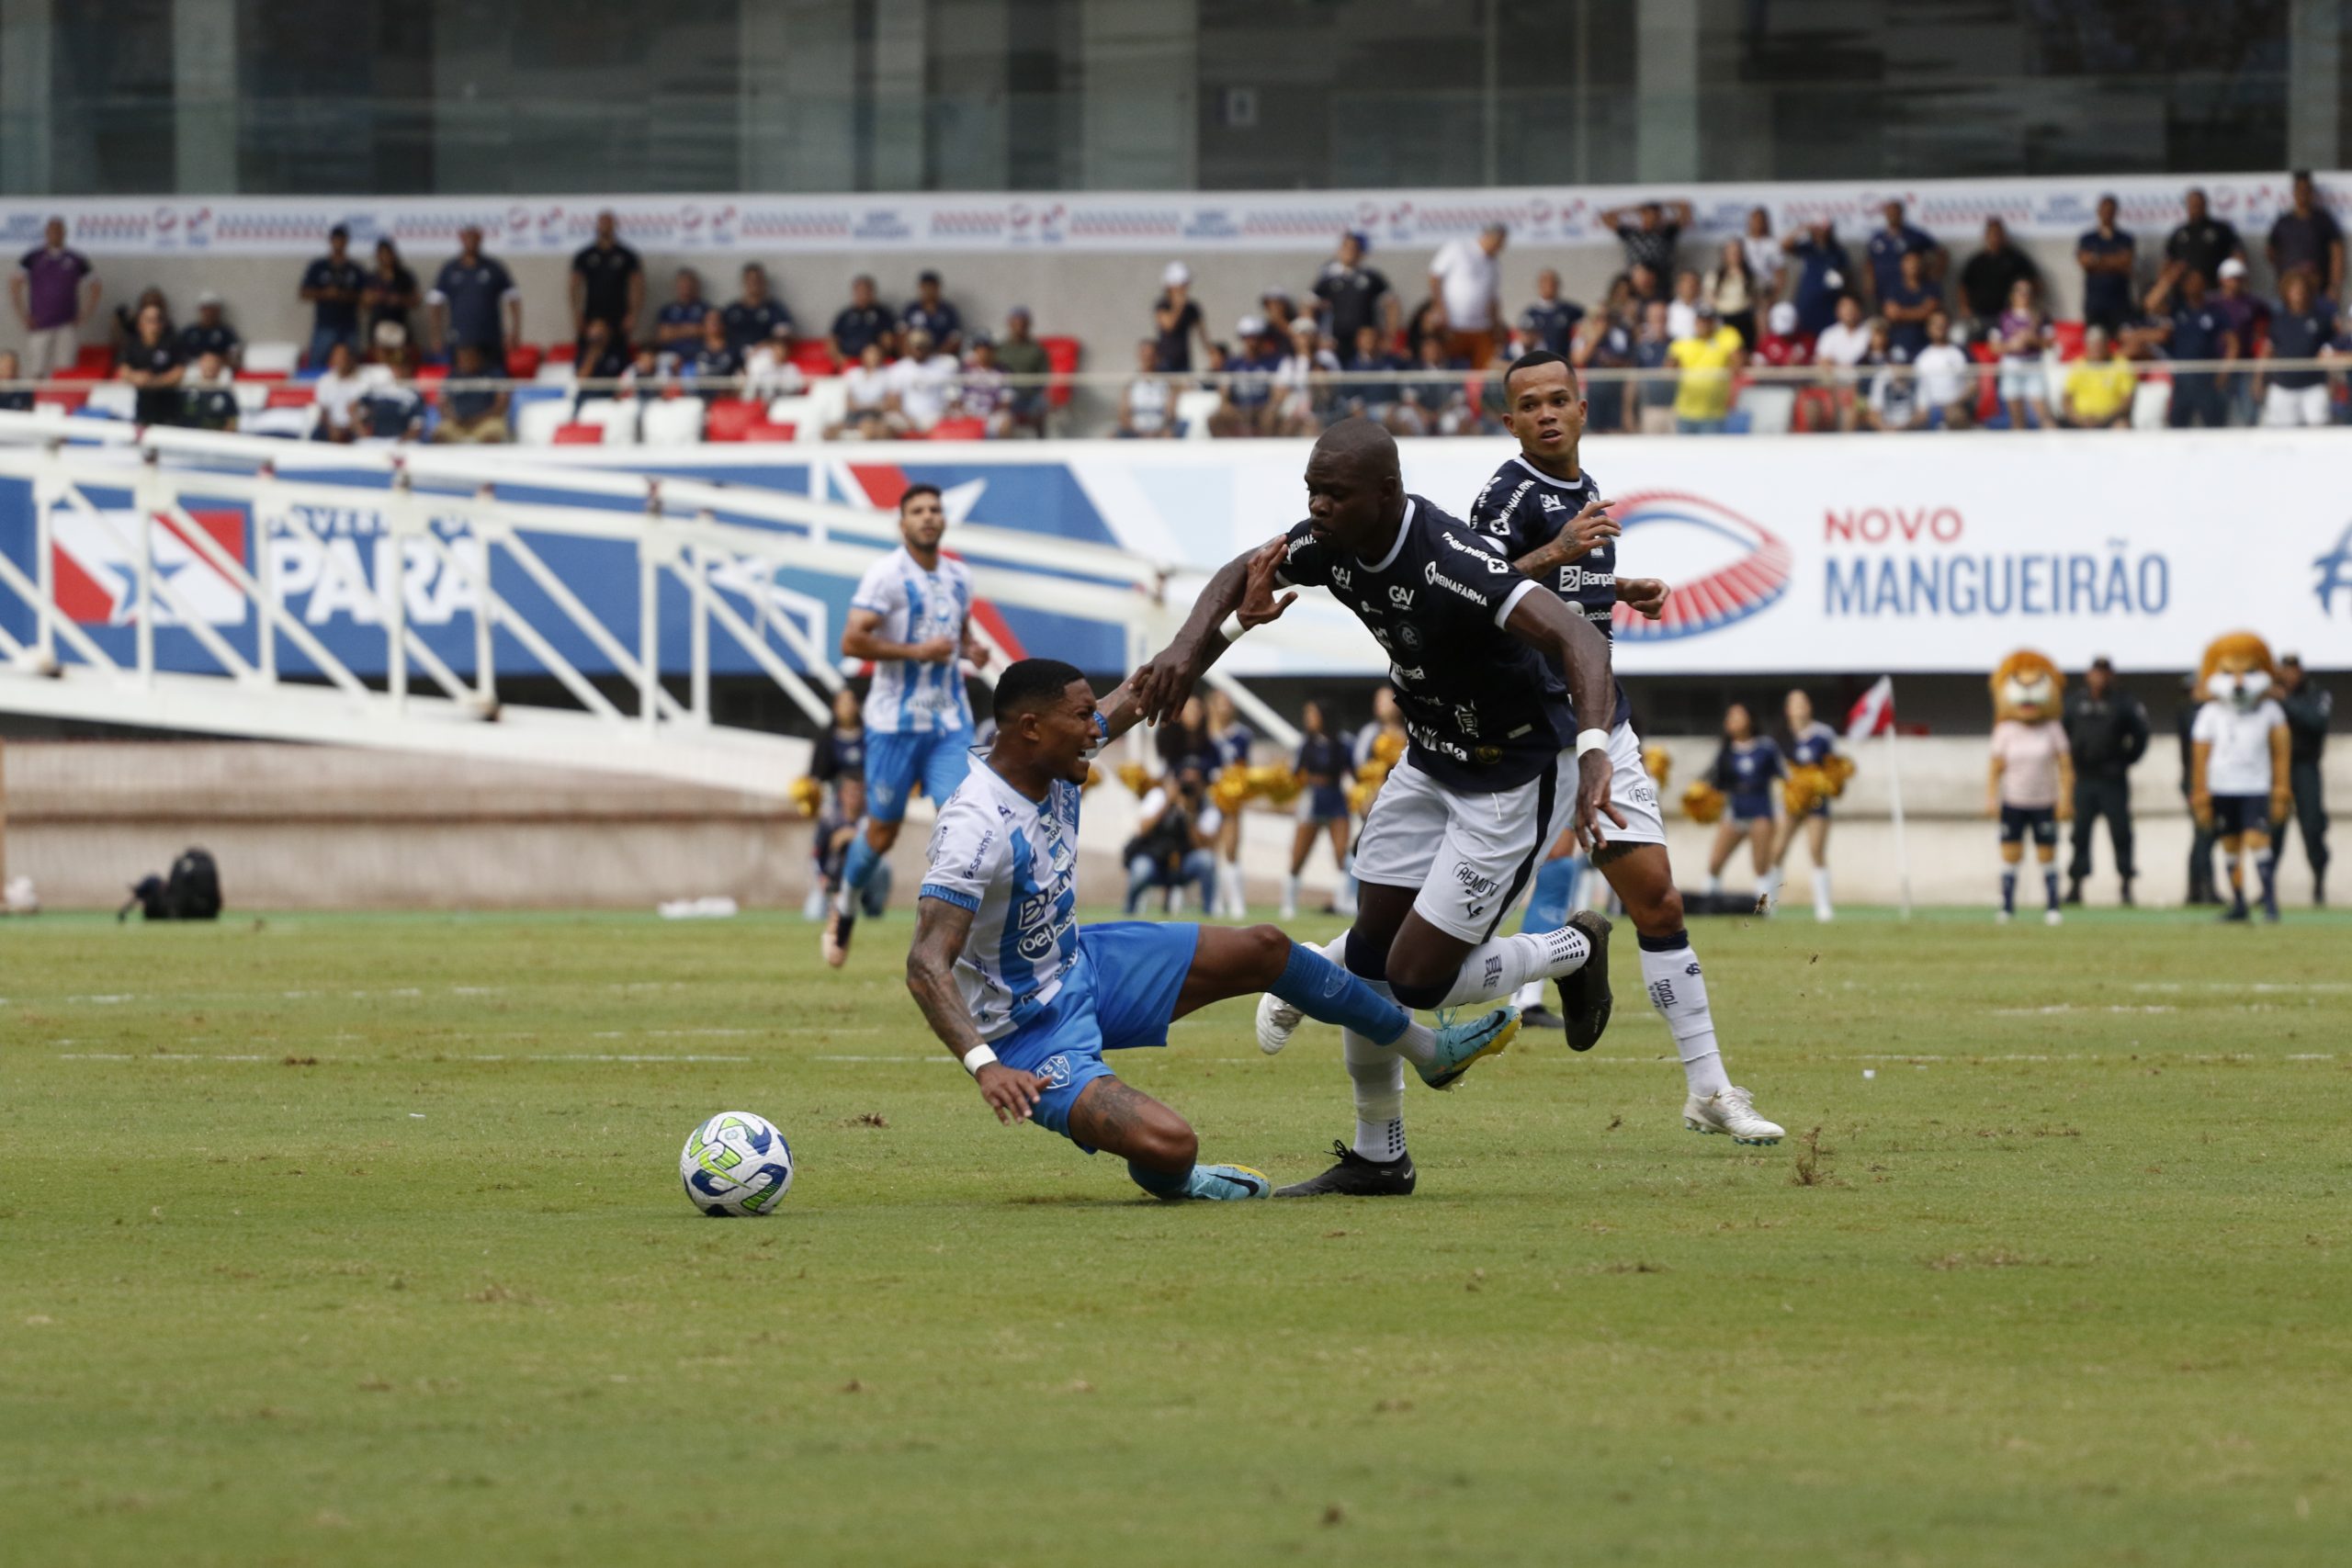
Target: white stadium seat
{"type": "Point", "coordinates": [272, 358]}
{"type": "Point", "coordinates": [827, 406]}
{"type": "Point", "coordinates": [535, 421]}
{"type": "Point", "coordinates": [619, 417]}
{"type": "Point", "coordinates": [2150, 403]}
{"type": "Point", "coordinates": [673, 422]}
{"type": "Point", "coordinates": [115, 399]}
{"type": "Point", "coordinates": [1193, 412]}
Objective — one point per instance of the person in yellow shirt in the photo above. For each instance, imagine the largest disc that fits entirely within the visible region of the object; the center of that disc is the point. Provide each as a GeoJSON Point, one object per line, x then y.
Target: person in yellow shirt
{"type": "Point", "coordinates": [1707, 358]}
{"type": "Point", "coordinates": [2098, 388]}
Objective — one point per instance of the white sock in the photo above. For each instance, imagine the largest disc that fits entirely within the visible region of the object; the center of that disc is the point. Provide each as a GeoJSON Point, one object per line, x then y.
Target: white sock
{"type": "Point", "coordinates": [1531, 995]}
{"type": "Point", "coordinates": [1344, 901]}
{"type": "Point", "coordinates": [1679, 990]}
{"type": "Point", "coordinates": [1715, 882]}
{"type": "Point", "coordinates": [1378, 1075]}
{"type": "Point", "coordinates": [1768, 887]}
{"type": "Point", "coordinates": [1496, 969]}
{"type": "Point", "coordinates": [1821, 888]}
{"type": "Point", "coordinates": [1290, 896]}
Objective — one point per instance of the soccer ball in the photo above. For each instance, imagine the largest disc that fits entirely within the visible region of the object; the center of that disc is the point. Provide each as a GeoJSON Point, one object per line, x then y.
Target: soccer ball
{"type": "Point", "coordinates": [736, 1163]}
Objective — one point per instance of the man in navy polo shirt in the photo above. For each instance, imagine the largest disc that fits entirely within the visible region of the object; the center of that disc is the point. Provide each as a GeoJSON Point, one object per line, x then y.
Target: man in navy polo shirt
{"type": "Point", "coordinates": [863, 321]}
{"type": "Point", "coordinates": [758, 317]}
{"type": "Point", "coordinates": [208, 333]}
{"type": "Point", "coordinates": [474, 300]}
{"type": "Point", "coordinates": [2302, 325]}
{"type": "Point", "coordinates": [677, 329]}
{"type": "Point", "coordinates": [332, 285]}
{"type": "Point", "coordinates": [55, 290]}
{"type": "Point", "coordinates": [2106, 254]}
{"type": "Point", "coordinates": [1894, 240]}
{"type": "Point", "coordinates": [1551, 321]}
{"type": "Point", "coordinates": [1353, 296]}
{"type": "Point", "coordinates": [2203, 242]}
{"type": "Point", "coordinates": [2306, 238]}
{"type": "Point", "coordinates": [1824, 274]}
{"type": "Point", "coordinates": [1906, 304]}
{"type": "Point", "coordinates": [933, 314]}
{"type": "Point", "coordinates": [607, 284]}
{"type": "Point", "coordinates": [2191, 325]}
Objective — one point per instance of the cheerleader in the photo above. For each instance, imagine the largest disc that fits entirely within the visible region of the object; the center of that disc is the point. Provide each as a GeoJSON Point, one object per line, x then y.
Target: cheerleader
{"type": "Point", "coordinates": [1323, 772]}
{"type": "Point", "coordinates": [1230, 741]}
{"type": "Point", "coordinates": [1744, 770]}
{"type": "Point", "coordinates": [1811, 745]}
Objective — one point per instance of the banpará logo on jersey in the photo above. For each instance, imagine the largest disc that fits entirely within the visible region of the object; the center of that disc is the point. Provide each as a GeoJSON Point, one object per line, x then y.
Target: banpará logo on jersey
{"type": "Point", "coordinates": [1743, 568]}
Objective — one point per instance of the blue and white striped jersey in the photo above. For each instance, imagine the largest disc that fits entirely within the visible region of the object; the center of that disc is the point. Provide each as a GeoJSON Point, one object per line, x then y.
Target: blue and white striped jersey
{"type": "Point", "coordinates": [1013, 862]}
{"type": "Point", "coordinates": [916, 606]}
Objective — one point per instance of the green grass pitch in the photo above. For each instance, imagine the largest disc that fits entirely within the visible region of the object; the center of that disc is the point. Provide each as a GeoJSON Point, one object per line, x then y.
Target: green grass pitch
{"type": "Point", "coordinates": [359, 1240]}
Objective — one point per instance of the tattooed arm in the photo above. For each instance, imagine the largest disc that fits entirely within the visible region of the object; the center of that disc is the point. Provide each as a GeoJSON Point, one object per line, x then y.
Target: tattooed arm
{"type": "Point", "coordinates": [940, 930]}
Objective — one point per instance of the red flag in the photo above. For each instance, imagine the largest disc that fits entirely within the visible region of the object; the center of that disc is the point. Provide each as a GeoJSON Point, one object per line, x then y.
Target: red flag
{"type": "Point", "coordinates": [1873, 713]}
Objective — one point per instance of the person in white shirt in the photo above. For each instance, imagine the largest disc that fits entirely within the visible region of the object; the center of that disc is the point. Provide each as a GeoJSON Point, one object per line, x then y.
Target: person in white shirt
{"type": "Point", "coordinates": [1466, 283]}
{"type": "Point", "coordinates": [870, 393]}
{"type": "Point", "coordinates": [1301, 379]}
{"type": "Point", "coordinates": [1842, 348]}
{"type": "Point", "coordinates": [925, 381]}
{"type": "Point", "coordinates": [337, 392]}
{"type": "Point", "coordinates": [1765, 258]}
{"type": "Point", "coordinates": [1146, 402]}
{"type": "Point", "coordinates": [1682, 311]}
{"type": "Point", "coordinates": [1947, 377]}
{"type": "Point", "coordinates": [2238, 773]}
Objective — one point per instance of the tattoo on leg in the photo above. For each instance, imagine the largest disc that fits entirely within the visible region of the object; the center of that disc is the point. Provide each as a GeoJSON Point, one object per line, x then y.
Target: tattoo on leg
{"type": "Point", "coordinates": [1115, 1113]}
{"type": "Point", "coordinates": [1609, 854]}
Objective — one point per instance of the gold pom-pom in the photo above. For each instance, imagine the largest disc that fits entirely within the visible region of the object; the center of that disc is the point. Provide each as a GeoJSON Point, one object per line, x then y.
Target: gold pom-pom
{"type": "Point", "coordinates": [1806, 787]}
{"type": "Point", "coordinates": [1838, 768]}
{"type": "Point", "coordinates": [1659, 762]}
{"type": "Point", "coordinates": [1388, 746]}
{"type": "Point", "coordinates": [1359, 794]}
{"type": "Point", "coordinates": [1230, 790]}
{"type": "Point", "coordinates": [806, 795]}
{"type": "Point", "coordinates": [1703, 802]}
{"type": "Point", "coordinates": [1274, 782]}
{"type": "Point", "coordinates": [1135, 777]}
{"type": "Point", "coordinates": [1093, 777]}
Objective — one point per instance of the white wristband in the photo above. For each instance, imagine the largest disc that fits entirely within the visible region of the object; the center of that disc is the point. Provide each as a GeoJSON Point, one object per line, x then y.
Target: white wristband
{"type": "Point", "coordinates": [1231, 628]}
{"type": "Point", "coordinates": [976, 1058]}
{"type": "Point", "coordinates": [1591, 741]}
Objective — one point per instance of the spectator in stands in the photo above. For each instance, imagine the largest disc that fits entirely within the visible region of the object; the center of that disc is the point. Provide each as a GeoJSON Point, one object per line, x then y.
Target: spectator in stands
{"type": "Point", "coordinates": [1302, 381]}
{"type": "Point", "coordinates": [1812, 406]}
{"type": "Point", "coordinates": [677, 326]}
{"type": "Point", "coordinates": [1824, 275]}
{"type": "Point", "coordinates": [332, 285]}
{"type": "Point", "coordinates": [982, 393]}
{"type": "Point", "coordinates": [1682, 311]}
{"type": "Point", "coordinates": [1707, 359]}
{"type": "Point", "coordinates": [1278, 309]}
{"type": "Point", "coordinates": [2307, 239]}
{"type": "Point", "coordinates": [926, 382]}
{"type": "Point", "coordinates": [2202, 243]}
{"type": "Point", "coordinates": [1765, 261]}
{"type": "Point", "coordinates": [1176, 316]}
{"type": "Point", "coordinates": [1649, 233]}
{"type": "Point", "coordinates": [1645, 283]}
{"type": "Point", "coordinates": [208, 333]}
{"type": "Point", "coordinates": [1841, 349]}
{"type": "Point", "coordinates": [1551, 321]}
{"type": "Point", "coordinates": [1906, 303]}
{"type": "Point", "coordinates": [643, 378]}
{"type": "Point", "coordinates": [1439, 403]}
{"type": "Point", "coordinates": [864, 322]}
{"type": "Point", "coordinates": [930, 313]}
{"type": "Point", "coordinates": [1249, 388]}
{"type": "Point", "coordinates": [2021, 334]}
{"type": "Point", "coordinates": [1989, 280]}
{"type": "Point", "coordinates": [1894, 401]}
{"type": "Point", "coordinates": [126, 318]}
{"type": "Point", "coordinates": [1654, 389]}
{"type": "Point", "coordinates": [389, 293]}
{"type": "Point", "coordinates": [1890, 242]}
{"type": "Point", "coordinates": [55, 288]}
{"type": "Point", "coordinates": [1605, 342]}
{"type": "Point", "coordinates": [603, 354]}
{"type": "Point", "coordinates": [1148, 402]}
{"type": "Point", "coordinates": [337, 392]}
{"type": "Point", "coordinates": [209, 398]}
{"type": "Point", "coordinates": [473, 409]}
{"type": "Point", "coordinates": [716, 366]}
{"type": "Point", "coordinates": [607, 284]}
{"type": "Point", "coordinates": [14, 399]}
{"type": "Point", "coordinates": [389, 410]}
{"type": "Point", "coordinates": [2106, 254]}
{"type": "Point", "coordinates": [389, 346]}
{"type": "Point", "coordinates": [2192, 326]}
{"type": "Point", "coordinates": [2098, 391]}
{"type": "Point", "coordinates": [1019, 355]}
{"type": "Point", "coordinates": [1736, 292]}
{"type": "Point", "coordinates": [2302, 328]}
{"type": "Point", "coordinates": [758, 317]}
{"type": "Point", "coordinates": [1352, 295]}
{"type": "Point", "coordinates": [1947, 375]}
{"type": "Point", "coordinates": [872, 399]}
{"type": "Point", "coordinates": [474, 300]}
{"type": "Point", "coordinates": [151, 362]}
{"type": "Point", "coordinates": [1465, 280]}
{"type": "Point", "coordinates": [1375, 397]}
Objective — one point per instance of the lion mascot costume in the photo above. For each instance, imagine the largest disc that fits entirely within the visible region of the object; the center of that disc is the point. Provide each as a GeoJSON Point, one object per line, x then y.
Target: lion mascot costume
{"type": "Point", "coordinates": [2238, 763]}
{"type": "Point", "coordinates": [2031, 786]}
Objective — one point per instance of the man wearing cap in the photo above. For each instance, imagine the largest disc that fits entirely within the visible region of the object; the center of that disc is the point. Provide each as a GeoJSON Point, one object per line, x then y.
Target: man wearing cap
{"type": "Point", "coordinates": [863, 321]}
{"type": "Point", "coordinates": [2107, 730]}
{"type": "Point", "coordinates": [55, 288]}
{"type": "Point", "coordinates": [2106, 254]}
{"type": "Point", "coordinates": [1352, 295]}
{"type": "Point", "coordinates": [1019, 355]}
{"type": "Point", "coordinates": [2201, 242]}
{"type": "Point", "coordinates": [1176, 321]}
{"type": "Point", "coordinates": [930, 313]}
{"type": "Point", "coordinates": [2307, 707]}
{"type": "Point", "coordinates": [1466, 283]}
{"type": "Point", "coordinates": [332, 285]}
{"type": "Point", "coordinates": [1706, 358]}
{"type": "Point", "coordinates": [211, 334]}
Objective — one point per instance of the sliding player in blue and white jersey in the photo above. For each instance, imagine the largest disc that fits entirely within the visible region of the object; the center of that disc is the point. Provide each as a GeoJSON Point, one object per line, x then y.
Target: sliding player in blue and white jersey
{"type": "Point", "coordinates": [1029, 1001]}
{"type": "Point", "coordinates": [911, 615]}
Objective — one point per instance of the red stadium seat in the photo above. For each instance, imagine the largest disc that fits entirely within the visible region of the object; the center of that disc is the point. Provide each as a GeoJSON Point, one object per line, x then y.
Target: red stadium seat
{"type": "Point", "coordinates": [815, 356]}
{"type": "Point", "coordinates": [562, 352]}
{"type": "Point", "coordinates": [579, 436]}
{"type": "Point", "coordinates": [2068, 338]}
{"type": "Point", "coordinates": [77, 371]}
{"type": "Point", "coordinates": [729, 419]}
{"type": "Point", "coordinates": [95, 358]}
{"type": "Point", "coordinates": [69, 401]}
{"type": "Point", "coordinates": [960, 430]}
{"type": "Point", "coordinates": [762, 431]}
{"type": "Point", "coordinates": [1062, 355]}
{"type": "Point", "coordinates": [522, 362]}
{"type": "Point", "coordinates": [290, 397]}
{"type": "Point", "coordinates": [1988, 392]}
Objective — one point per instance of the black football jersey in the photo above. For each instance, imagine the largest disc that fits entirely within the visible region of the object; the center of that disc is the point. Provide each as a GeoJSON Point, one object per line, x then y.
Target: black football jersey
{"type": "Point", "coordinates": [1523, 507]}
{"type": "Point", "coordinates": [1485, 711]}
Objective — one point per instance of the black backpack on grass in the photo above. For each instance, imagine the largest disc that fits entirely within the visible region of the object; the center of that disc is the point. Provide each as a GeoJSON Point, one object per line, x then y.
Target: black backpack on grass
{"type": "Point", "coordinates": [191, 891]}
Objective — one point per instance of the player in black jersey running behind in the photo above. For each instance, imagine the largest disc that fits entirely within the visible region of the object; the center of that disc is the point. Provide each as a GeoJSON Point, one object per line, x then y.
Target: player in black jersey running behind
{"type": "Point", "coordinates": [1494, 773]}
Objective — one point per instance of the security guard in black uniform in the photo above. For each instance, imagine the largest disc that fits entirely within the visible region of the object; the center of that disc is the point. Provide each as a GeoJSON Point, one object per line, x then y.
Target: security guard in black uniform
{"type": "Point", "coordinates": [2201, 888]}
{"type": "Point", "coordinates": [2108, 731]}
{"type": "Point", "coordinates": [2307, 713]}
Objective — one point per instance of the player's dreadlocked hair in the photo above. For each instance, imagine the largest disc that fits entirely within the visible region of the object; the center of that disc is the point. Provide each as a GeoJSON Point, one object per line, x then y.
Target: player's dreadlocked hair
{"type": "Point", "coordinates": [1535, 356]}
{"type": "Point", "coordinates": [1033, 684]}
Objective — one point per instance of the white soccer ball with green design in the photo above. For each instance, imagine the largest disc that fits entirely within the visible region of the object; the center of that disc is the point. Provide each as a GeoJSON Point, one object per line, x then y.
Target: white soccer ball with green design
{"type": "Point", "coordinates": [736, 1163]}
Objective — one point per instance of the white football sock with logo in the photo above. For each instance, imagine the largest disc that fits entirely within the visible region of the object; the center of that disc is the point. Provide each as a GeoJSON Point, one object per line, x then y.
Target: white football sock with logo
{"type": "Point", "coordinates": [1496, 969]}
{"type": "Point", "coordinates": [1378, 1075]}
{"type": "Point", "coordinates": [1678, 990]}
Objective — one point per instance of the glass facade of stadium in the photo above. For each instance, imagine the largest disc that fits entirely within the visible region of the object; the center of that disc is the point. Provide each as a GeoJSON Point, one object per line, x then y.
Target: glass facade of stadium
{"type": "Point", "coordinates": [484, 97]}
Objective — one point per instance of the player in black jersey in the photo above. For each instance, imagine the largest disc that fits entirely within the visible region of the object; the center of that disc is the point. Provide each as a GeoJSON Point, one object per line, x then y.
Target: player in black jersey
{"type": "Point", "coordinates": [1493, 771]}
{"type": "Point", "coordinates": [1543, 511]}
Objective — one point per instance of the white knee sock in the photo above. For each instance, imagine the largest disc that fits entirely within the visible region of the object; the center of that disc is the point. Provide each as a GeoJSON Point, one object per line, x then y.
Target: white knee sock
{"type": "Point", "coordinates": [1377, 1074]}
{"type": "Point", "coordinates": [1290, 897]}
{"type": "Point", "coordinates": [1679, 990]}
{"type": "Point", "coordinates": [1495, 970]}
{"type": "Point", "coordinates": [1767, 889]}
{"type": "Point", "coordinates": [1821, 890]}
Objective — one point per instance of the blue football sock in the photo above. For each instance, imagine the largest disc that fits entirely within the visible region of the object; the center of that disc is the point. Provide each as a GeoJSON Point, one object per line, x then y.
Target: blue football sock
{"type": "Point", "coordinates": [1160, 1183]}
{"type": "Point", "coordinates": [1549, 906]}
{"type": "Point", "coordinates": [1324, 991]}
{"type": "Point", "coordinates": [2009, 889]}
{"type": "Point", "coordinates": [2050, 889]}
{"type": "Point", "coordinates": [858, 869]}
